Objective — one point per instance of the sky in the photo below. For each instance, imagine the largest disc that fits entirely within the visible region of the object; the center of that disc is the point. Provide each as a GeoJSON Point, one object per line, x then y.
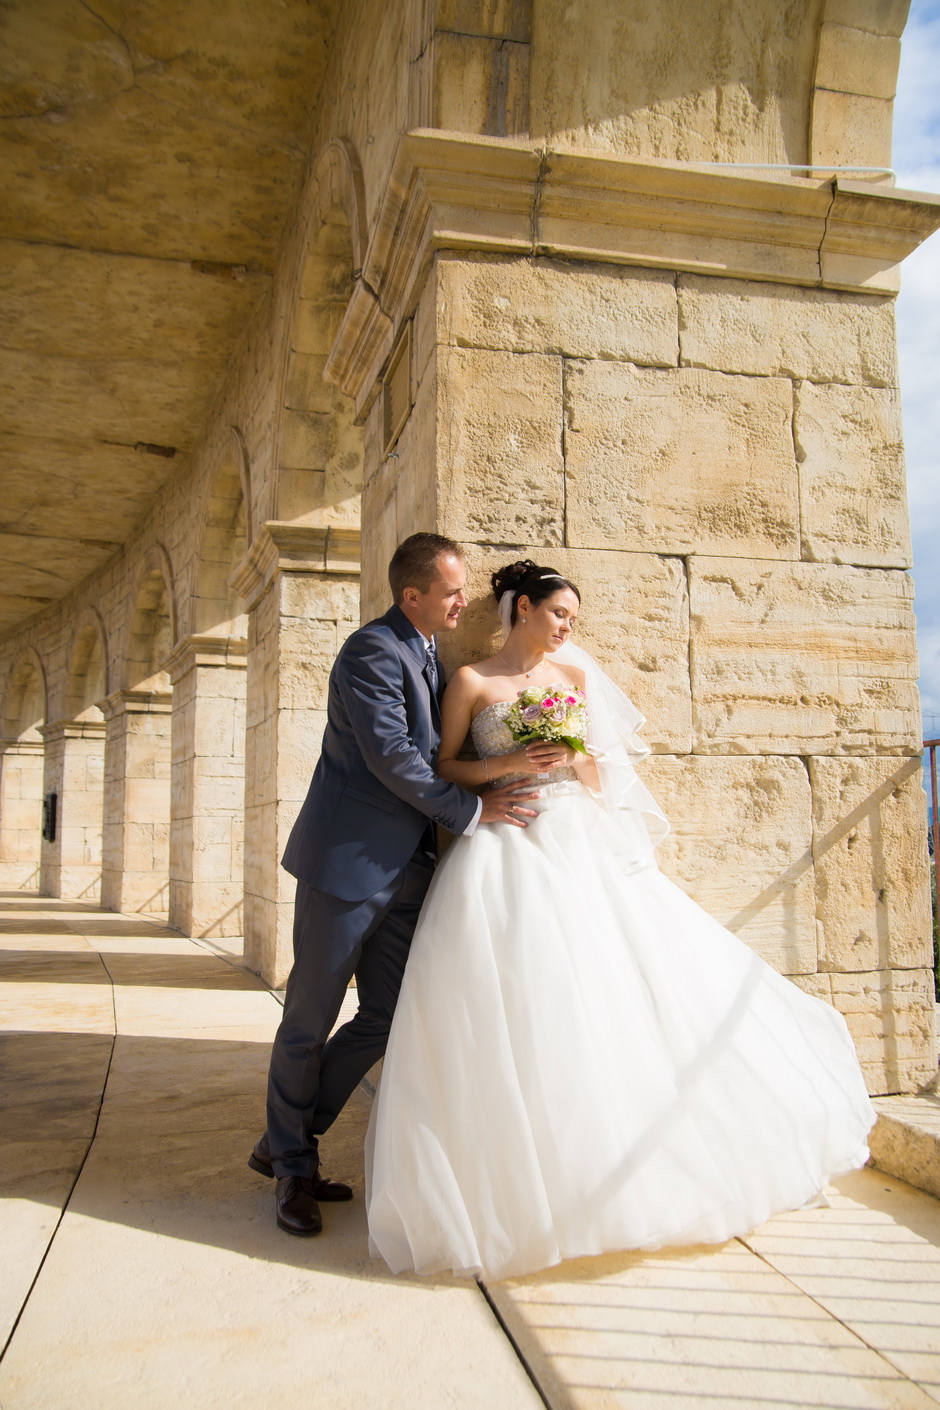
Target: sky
{"type": "Point", "coordinates": [917, 167]}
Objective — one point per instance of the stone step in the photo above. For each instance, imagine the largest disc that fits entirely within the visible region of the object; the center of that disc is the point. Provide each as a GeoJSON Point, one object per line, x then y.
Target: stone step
{"type": "Point", "coordinates": [906, 1139]}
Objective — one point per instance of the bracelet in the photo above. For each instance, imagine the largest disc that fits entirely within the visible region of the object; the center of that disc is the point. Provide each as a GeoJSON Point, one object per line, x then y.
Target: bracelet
{"type": "Point", "coordinates": [488, 777]}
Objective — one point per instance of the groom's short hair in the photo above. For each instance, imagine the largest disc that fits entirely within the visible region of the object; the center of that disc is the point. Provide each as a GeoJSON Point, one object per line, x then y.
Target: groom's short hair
{"type": "Point", "coordinates": [415, 561]}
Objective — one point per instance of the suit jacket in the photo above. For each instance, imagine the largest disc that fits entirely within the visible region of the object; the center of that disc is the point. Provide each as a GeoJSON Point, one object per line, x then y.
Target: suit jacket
{"type": "Point", "coordinates": [374, 790]}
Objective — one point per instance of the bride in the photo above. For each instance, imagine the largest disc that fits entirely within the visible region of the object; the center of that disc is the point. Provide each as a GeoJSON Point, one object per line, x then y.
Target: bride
{"type": "Point", "coordinates": [582, 1060]}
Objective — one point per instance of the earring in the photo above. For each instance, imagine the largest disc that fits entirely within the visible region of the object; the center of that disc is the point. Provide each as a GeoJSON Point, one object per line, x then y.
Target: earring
{"type": "Point", "coordinates": [524, 620]}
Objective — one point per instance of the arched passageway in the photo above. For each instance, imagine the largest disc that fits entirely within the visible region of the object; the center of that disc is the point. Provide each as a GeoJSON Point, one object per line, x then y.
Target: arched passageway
{"type": "Point", "coordinates": [208, 756]}
{"type": "Point", "coordinates": [74, 771]}
{"type": "Point", "coordinates": [301, 579]}
{"type": "Point", "coordinates": [21, 766]}
{"type": "Point", "coordinates": [136, 848]}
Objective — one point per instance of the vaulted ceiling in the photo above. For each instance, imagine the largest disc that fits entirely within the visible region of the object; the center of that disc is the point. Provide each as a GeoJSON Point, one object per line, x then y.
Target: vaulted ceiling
{"type": "Point", "coordinates": [149, 156]}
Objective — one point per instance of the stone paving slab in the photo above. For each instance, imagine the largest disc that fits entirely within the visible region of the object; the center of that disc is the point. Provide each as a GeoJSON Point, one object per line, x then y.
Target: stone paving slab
{"type": "Point", "coordinates": [831, 1307]}
{"type": "Point", "coordinates": [165, 1283]}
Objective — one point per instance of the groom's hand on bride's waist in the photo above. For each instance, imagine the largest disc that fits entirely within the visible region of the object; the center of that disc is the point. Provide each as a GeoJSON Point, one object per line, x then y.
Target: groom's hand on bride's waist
{"type": "Point", "coordinates": [508, 804]}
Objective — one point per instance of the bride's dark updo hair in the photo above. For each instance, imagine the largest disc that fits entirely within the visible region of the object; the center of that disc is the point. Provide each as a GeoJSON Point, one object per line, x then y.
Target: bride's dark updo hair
{"type": "Point", "coordinates": [526, 578]}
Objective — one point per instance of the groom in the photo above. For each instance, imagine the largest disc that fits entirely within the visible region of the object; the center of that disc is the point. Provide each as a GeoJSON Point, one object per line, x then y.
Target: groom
{"type": "Point", "coordinates": [363, 852]}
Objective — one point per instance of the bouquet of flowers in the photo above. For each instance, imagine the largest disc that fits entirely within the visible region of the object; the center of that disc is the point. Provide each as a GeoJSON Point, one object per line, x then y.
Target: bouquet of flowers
{"type": "Point", "coordinates": [557, 713]}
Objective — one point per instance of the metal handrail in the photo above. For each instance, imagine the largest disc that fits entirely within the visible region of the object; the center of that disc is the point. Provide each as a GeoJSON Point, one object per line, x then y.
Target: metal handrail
{"type": "Point", "coordinates": [932, 745]}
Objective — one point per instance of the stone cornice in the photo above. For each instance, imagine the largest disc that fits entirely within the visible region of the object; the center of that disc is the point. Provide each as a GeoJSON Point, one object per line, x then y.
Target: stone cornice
{"type": "Point", "coordinates": [205, 650]}
{"type": "Point", "coordinates": [137, 702]}
{"type": "Point", "coordinates": [72, 729]}
{"type": "Point", "coordinates": [493, 194]}
{"type": "Point", "coordinates": [294, 548]}
{"type": "Point", "coordinates": [21, 746]}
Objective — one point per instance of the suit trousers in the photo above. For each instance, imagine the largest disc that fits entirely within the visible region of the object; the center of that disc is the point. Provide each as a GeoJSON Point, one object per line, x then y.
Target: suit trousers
{"type": "Point", "coordinates": [312, 1075]}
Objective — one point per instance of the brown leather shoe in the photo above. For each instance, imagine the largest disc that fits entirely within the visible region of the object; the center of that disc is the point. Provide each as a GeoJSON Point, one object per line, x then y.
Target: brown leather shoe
{"type": "Point", "coordinates": [329, 1191]}
{"type": "Point", "coordinates": [295, 1207]}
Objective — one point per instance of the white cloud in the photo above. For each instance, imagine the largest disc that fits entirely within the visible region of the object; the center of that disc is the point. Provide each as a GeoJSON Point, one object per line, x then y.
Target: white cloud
{"type": "Point", "coordinates": [917, 163]}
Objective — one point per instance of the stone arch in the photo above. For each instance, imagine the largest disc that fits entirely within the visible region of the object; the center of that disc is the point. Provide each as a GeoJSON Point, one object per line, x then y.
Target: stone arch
{"type": "Point", "coordinates": [152, 629]}
{"type": "Point", "coordinates": [217, 608]}
{"type": "Point", "coordinates": [87, 682]}
{"type": "Point", "coordinates": [320, 449]}
{"type": "Point", "coordinates": [24, 699]}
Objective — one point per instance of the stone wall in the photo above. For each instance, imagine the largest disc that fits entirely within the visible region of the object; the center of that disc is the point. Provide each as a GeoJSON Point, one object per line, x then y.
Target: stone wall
{"type": "Point", "coordinates": [674, 380]}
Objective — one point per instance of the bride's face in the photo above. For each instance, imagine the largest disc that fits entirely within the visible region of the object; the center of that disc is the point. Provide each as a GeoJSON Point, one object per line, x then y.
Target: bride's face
{"type": "Point", "coordinates": [550, 623]}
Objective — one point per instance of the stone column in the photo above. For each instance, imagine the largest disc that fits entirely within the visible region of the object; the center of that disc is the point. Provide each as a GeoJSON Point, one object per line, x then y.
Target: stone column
{"type": "Point", "coordinates": [136, 849]}
{"type": "Point", "coordinates": [74, 772]}
{"type": "Point", "coordinates": [301, 585]}
{"type": "Point", "coordinates": [679, 388]}
{"type": "Point", "coordinates": [20, 811]}
{"type": "Point", "coordinates": [208, 785]}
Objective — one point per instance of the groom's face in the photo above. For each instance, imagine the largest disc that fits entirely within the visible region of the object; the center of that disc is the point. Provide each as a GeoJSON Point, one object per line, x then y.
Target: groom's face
{"type": "Point", "coordinates": [438, 609]}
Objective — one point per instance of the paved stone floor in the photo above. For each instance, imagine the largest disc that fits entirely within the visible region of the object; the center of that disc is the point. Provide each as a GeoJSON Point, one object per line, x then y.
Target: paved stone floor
{"type": "Point", "coordinates": [141, 1268]}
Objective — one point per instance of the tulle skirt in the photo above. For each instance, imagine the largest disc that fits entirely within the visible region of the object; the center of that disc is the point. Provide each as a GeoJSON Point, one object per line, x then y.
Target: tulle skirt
{"type": "Point", "coordinates": [583, 1060]}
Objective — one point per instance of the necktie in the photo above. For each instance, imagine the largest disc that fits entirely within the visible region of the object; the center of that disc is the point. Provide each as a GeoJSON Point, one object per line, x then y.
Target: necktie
{"type": "Point", "coordinates": [431, 666]}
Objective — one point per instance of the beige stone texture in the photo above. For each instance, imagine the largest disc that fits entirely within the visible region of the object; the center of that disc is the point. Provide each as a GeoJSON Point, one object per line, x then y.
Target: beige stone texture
{"type": "Point", "coordinates": [825, 1307]}
{"type": "Point", "coordinates": [906, 1139]}
{"type": "Point", "coordinates": [776, 330]}
{"type": "Point", "coordinates": [499, 449]}
{"type": "Point", "coordinates": [73, 769]}
{"type": "Point", "coordinates": [499, 19]}
{"type": "Point", "coordinates": [890, 1015]}
{"type": "Point", "coordinates": [549, 306]}
{"type": "Point", "coordinates": [679, 461]}
{"type": "Point", "coordinates": [206, 879]}
{"type": "Point", "coordinates": [850, 130]}
{"type": "Point", "coordinates": [135, 870]}
{"type": "Point", "coordinates": [740, 845]}
{"type": "Point", "coordinates": [633, 618]}
{"type": "Point", "coordinates": [855, 61]}
{"type": "Point", "coordinates": [870, 854]}
{"type": "Point", "coordinates": [21, 766]}
{"type": "Point", "coordinates": [723, 81]}
{"type": "Point", "coordinates": [480, 84]}
{"type": "Point", "coordinates": [876, 1271]}
{"type": "Point", "coordinates": [167, 1267]}
{"type": "Point", "coordinates": [873, 16]}
{"type": "Point", "coordinates": [853, 499]}
{"type": "Point", "coordinates": [801, 658]}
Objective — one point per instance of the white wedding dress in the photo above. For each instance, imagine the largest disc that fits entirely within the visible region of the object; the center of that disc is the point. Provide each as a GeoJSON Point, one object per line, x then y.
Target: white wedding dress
{"type": "Point", "coordinates": [582, 1060]}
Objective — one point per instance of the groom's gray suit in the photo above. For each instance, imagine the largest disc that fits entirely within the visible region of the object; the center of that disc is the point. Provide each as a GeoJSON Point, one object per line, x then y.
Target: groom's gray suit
{"type": "Point", "coordinates": [363, 852]}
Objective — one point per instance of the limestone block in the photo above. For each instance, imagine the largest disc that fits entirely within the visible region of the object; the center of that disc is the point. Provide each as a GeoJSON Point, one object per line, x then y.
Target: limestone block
{"type": "Point", "coordinates": [305, 440]}
{"type": "Point", "coordinates": [679, 461]}
{"type": "Point", "coordinates": [551, 306]}
{"type": "Point", "coordinates": [672, 81]}
{"type": "Point", "coordinates": [323, 596]}
{"type": "Point", "coordinates": [802, 658]}
{"type": "Point", "coordinates": [906, 1140]}
{"type": "Point", "coordinates": [316, 324]}
{"type": "Point", "coordinates": [213, 728]}
{"type": "Point", "coordinates": [633, 618]}
{"type": "Point", "coordinates": [854, 61]}
{"type": "Point", "coordinates": [776, 330]}
{"type": "Point", "coordinates": [850, 451]}
{"type": "Point", "coordinates": [870, 851]}
{"type": "Point", "coordinates": [740, 846]}
{"type": "Point", "coordinates": [305, 389]}
{"type": "Point", "coordinates": [299, 735]}
{"type": "Point", "coordinates": [499, 459]}
{"type": "Point", "coordinates": [502, 19]}
{"type": "Point", "coordinates": [875, 16]}
{"type": "Point", "coordinates": [480, 85]}
{"type": "Point", "coordinates": [850, 130]}
{"type": "Point", "coordinates": [890, 1015]}
{"type": "Point", "coordinates": [307, 652]}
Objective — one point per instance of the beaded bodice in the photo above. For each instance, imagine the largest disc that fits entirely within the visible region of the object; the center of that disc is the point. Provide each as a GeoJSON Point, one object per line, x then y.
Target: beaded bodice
{"type": "Point", "coordinates": [491, 735]}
